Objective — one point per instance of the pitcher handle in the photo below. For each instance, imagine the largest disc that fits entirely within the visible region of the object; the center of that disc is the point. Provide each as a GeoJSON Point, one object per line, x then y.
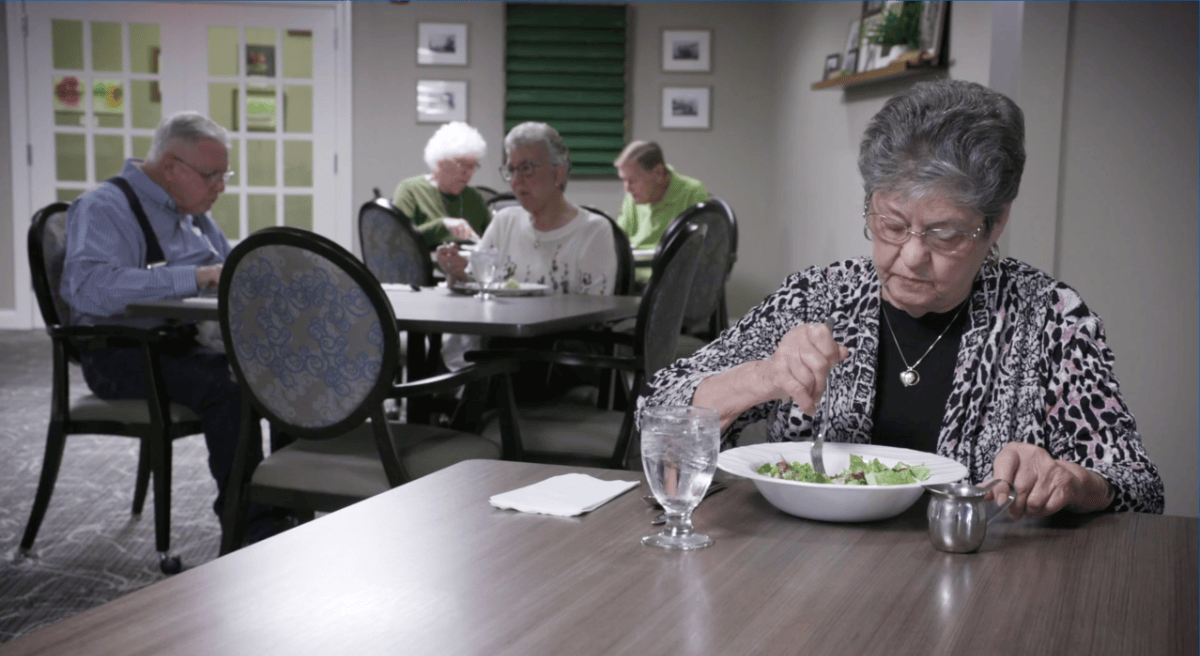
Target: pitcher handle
{"type": "Point", "coordinates": [1012, 496]}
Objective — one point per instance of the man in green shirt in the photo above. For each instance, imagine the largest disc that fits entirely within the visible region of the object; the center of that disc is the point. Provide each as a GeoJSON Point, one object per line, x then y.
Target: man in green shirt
{"type": "Point", "coordinates": [434, 201]}
{"type": "Point", "coordinates": [655, 193]}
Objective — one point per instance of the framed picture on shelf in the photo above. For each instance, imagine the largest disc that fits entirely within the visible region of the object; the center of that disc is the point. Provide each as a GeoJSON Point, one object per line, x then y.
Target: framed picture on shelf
{"type": "Point", "coordinates": [441, 101]}
{"type": "Point", "coordinates": [442, 44]}
{"type": "Point", "coordinates": [687, 51]}
{"type": "Point", "coordinates": [852, 38]}
{"type": "Point", "coordinates": [870, 7]}
{"type": "Point", "coordinates": [850, 62]}
{"type": "Point", "coordinates": [833, 66]}
{"type": "Point", "coordinates": [686, 108]}
{"type": "Point", "coordinates": [869, 53]}
{"type": "Point", "coordinates": [933, 21]}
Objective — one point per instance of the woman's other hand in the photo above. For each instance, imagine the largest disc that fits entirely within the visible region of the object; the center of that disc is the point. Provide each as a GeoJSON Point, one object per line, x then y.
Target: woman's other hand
{"type": "Point", "coordinates": [1045, 485]}
{"type": "Point", "coordinates": [452, 263]}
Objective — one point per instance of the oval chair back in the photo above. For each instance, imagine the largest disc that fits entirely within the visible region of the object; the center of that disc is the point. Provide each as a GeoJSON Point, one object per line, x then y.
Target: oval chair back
{"type": "Point", "coordinates": [624, 283]}
{"type": "Point", "coordinates": [392, 248]}
{"type": "Point", "coordinates": [310, 334]}
{"type": "Point", "coordinates": [501, 201]}
{"type": "Point", "coordinates": [47, 246]}
{"type": "Point", "coordinates": [706, 314]}
{"type": "Point", "coordinates": [661, 313]}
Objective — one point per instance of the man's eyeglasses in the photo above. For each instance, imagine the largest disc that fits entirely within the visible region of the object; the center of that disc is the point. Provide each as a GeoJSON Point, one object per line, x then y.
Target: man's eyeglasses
{"type": "Point", "coordinates": [943, 240]}
{"type": "Point", "coordinates": [525, 168]}
{"type": "Point", "coordinates": [210, 179]}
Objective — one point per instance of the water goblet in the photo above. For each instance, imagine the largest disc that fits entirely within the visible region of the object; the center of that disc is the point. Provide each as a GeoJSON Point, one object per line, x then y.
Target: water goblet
{"type": "Point", "coordinates": [679, 452]}
{"type": "Point", "coordinates": [484, 265]}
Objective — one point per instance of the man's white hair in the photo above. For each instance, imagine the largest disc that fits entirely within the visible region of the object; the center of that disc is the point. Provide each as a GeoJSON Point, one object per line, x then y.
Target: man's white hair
{"type": "Point", "coordinates": [454, 139]}
{"type": "Point", "coordinates": [187, 127]}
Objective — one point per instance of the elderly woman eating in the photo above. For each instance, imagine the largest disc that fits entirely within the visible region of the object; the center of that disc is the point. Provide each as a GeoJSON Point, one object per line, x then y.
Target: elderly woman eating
{"type": "Point", "coordinates": [546, 239]}
{"type": "Point", "coordinates": [937, 343]}
{"type": "Point", "coordinates": [441, 203]}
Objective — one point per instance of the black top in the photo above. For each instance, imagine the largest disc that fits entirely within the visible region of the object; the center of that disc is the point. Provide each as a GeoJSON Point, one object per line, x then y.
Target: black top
{"type": "Point", "coordinates": [911, 417]}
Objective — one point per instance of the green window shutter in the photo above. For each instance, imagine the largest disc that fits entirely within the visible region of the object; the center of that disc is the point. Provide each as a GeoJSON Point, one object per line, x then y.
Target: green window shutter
{"type": "Point", "coordinates": [565, 65]}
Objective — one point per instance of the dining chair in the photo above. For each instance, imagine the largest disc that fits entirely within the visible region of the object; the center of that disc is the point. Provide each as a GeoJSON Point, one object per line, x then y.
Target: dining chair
{"type": "Point", "coordinates": [487, 192]}
{"type": "Point", "coordinates": [392, 248]}
{"type": "Point", "coordinates": [501, 201]}
{"type": "Point", "coordinates": [312, 340]}
{"type": "Point", "coordinates": [624, 282]}
{"type": "Point", "coordinates": [154, 420]}
{"type": "Point", "coordinates": [576, 431]}
{"type": "Point", "coordinates": [707, 313]}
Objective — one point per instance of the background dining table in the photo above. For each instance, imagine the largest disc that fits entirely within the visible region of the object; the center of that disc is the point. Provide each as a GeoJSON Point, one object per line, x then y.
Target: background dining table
{"type": "Point", "coordinates": [432, 568]}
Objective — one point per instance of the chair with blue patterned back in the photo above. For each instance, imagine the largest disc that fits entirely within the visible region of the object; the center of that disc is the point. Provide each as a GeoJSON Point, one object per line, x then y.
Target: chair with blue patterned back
{"type": "Point", "coordinates": [392, 248]}
{"type": "Point", "coordinates": [312, 340]}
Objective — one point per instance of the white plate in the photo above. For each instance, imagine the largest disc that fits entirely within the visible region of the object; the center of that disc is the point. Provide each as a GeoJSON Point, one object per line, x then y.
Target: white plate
{"type": "Point", "coordinates": [831, 502]}
{"type": "Point", "coordinates": [498, 289]}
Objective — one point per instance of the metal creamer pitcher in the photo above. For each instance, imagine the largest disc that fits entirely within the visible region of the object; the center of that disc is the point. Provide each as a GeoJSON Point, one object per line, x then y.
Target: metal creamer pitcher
{"type": "Point", "coordinates": [958, 515]}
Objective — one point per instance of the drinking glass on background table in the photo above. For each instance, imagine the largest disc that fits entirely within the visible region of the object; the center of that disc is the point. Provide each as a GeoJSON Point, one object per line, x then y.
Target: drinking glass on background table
{"type": "Point", "coordinates": [485, 263]}
{"type": "Point", "coordinates": [679, 453]}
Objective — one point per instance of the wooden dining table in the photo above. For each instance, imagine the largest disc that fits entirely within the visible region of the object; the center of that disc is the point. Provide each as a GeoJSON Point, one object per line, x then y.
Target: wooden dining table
{"type": "Point", "coordinates": [432, 568]}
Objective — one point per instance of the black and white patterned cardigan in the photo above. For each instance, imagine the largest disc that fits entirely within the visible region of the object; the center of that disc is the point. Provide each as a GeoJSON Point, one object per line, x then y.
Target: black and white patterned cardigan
{"type": "Point", "coordinates": [1032, 366]}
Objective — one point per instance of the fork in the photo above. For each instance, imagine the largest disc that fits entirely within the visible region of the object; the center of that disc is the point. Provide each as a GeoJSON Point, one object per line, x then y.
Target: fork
{"type": "Point", "coordinates": [817, 459]}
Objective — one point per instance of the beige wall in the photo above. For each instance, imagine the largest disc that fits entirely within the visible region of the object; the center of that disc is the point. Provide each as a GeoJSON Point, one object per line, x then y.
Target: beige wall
{"type": "Point", "coordinates": [8, 294]}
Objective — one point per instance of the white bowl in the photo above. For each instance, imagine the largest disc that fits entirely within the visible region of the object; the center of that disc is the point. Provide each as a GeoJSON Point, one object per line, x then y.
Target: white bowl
{"type": "Point", "coordinates": [831, 502]}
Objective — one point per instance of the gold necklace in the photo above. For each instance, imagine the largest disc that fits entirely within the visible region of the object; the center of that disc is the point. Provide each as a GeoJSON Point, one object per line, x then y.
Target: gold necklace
{"type": "Point", "coordinates": [910, 376]}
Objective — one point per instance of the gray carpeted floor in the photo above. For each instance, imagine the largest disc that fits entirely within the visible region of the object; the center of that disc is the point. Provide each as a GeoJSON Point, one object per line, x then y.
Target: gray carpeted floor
{"type": "Point", "coordinates": [90, 549]}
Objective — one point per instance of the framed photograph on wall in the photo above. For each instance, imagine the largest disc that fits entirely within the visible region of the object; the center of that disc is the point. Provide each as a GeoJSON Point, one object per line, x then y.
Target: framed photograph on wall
{"type": "Point", "coordinates": [687, 51]}
{"type": "Point", "coordinates": [441, 101]}
{"type": "Point", "coordinates": [686, 108]}
{"type": "Point", "coordinates": [442, 44]}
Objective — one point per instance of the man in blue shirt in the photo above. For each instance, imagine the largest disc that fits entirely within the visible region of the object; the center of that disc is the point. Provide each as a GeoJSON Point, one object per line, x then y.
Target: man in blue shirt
{"type": "Point", "coordinates": [106, 267]}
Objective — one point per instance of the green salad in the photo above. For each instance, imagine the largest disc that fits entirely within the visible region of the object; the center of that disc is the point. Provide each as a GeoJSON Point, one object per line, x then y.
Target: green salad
{"type": "Point", "coordinates": [859, 472]}
{"type": "Point", "coordinates": [512, 283]}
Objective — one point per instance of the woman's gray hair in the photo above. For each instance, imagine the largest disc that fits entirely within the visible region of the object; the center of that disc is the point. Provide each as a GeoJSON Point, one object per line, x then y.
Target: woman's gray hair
{"type": "Point", "coordinates": [454, 139]}
{"type": "Point", "coordinates": [532, 133]}
{"type": "Point", "coordinates": [951, 137]}
{"type": "Point", "coordinates": [186, 127]}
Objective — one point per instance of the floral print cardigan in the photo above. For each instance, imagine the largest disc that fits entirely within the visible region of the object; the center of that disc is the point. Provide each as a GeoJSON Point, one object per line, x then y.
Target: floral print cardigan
{"type": "Point", "coordinates": [1032, 366]}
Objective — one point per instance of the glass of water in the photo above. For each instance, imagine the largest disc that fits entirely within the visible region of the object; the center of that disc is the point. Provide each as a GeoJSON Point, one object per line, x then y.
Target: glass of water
{"type": "Point", "coordinates": [679, 453]}
{"type": "Point", "coordinates": [484, 265]}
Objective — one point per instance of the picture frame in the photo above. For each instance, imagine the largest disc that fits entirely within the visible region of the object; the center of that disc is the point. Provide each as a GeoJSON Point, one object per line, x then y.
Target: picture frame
{"type": "Point", "coordinates": [441, 101]}
{"type": "Point", "coordinates": [933, 22]}
{"type": "Point", "coordinates": [442, 44]}
{"type": "Point", "coordinates": [871, 7]}
{"type": "Point", "coordinates": [686, 108]}
{"type": "Point", "coordinates": [869, 53]}
{"type": "Point", "coordinates": [852, 37]}
{"type": "Point", "coordinates": [833, 66]}
{"type": "Point", "coordinates": [687, 51]}
{"type": "Point", "coordinates": [850, 61]}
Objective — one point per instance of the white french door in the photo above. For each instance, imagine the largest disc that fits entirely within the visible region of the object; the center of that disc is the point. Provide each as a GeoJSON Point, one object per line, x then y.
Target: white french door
{"type": "Point", "coordinates": [100, 76]}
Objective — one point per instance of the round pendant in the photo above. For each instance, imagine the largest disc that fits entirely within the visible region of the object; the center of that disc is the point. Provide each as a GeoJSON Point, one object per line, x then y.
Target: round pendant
{"type": "Point", "coordinates": [909, 378]}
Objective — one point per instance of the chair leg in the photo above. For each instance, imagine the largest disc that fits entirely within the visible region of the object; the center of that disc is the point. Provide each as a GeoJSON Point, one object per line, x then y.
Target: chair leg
{"type": "Point", "coordinates": [233, 518]}
{"type": "Point", "coordinates": [160, 457]}
{"type": "Point", "coordinates": [143, 480]}
{"type": "Point", "coordinates": [56, 442]}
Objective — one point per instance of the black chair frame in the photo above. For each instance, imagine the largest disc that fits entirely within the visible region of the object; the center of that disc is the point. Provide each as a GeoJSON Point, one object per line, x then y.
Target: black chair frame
{"type": "Point", "coordinates": [155, 436]}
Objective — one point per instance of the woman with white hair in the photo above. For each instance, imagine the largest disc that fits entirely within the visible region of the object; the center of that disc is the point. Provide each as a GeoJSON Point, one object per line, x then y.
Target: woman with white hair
{"type": "Point", "coordinates": [453, 154]}
{"type": "Point", "coordinates": [546, 239]}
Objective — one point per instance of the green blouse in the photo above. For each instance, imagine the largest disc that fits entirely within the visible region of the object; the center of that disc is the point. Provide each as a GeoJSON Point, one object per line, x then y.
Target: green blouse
{"type": "Point", "coordinates": [422, 202]}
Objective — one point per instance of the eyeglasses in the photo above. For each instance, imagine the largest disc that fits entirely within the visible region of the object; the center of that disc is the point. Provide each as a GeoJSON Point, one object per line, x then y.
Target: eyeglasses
{"type": "Point", "coordinates": [895, 232]}
{"type": "Point", "coordinates": [525, 168]}
{"type": "Point", "coordinates": [209, 179]}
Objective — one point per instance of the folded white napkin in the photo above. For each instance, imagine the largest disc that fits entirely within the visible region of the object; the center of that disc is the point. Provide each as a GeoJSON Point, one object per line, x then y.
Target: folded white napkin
{"type": "Point", "coordinates": [564, 496]}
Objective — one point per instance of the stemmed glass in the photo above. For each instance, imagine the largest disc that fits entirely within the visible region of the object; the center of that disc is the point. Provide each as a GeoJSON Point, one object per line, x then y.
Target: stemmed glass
{"type": "Point", "coordinates": [484, 265]}
{"type": "Point", "coordinates": [679, 453]}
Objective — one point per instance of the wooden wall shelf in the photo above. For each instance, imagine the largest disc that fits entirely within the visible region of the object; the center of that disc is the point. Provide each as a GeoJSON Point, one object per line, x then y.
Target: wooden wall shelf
{"type": "Point", "coordinates": [893, 71]}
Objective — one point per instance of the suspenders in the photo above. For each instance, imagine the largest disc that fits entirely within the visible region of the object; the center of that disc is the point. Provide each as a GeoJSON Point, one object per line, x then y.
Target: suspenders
{"type": "Point", "coordinates": [154, 254]}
